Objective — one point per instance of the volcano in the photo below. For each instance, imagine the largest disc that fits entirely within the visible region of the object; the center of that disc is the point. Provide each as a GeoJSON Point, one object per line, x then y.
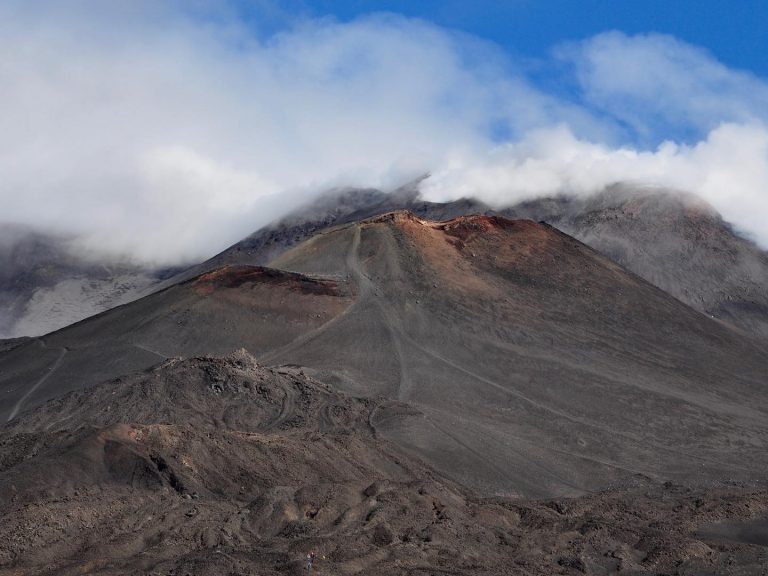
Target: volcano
{"type": "Point", "coordinates": [407, 395]}
{"type": "Point", "coordinates": [673, 240]}
{"type": "Point", "coordinates": [539, 367]}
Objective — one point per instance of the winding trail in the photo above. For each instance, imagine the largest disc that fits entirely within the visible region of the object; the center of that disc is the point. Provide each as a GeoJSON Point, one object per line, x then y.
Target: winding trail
{"type": "Point", "coordinates": [366, 292]}
{"type": "Point", "coordinates": [51, 369]}
{"type": "Point", "coordinates": [287, 408]}
{"type": "Point", "coordinates": [272, 355]}
{"type": "Point", "coordinates": [155, 352]}
{"type": "Point", "coordinates": [391, 322]}
{"type": "Point", "coordinates": [326, 421]}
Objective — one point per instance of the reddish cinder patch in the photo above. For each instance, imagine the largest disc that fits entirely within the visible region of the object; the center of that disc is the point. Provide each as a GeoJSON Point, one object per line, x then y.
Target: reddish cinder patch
{"type": "Point", "coordinates": [397, 217]}
{"type": "Point", "coordinates": [236, 276]}
{"type": "Point", "coordinates": [464, 227]}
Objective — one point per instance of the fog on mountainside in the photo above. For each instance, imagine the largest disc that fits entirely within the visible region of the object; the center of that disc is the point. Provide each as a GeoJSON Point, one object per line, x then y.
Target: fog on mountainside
{"type": "Point", "coordinates": [46, 284]}
{"type": "Point", "coordinates": [175, 133]}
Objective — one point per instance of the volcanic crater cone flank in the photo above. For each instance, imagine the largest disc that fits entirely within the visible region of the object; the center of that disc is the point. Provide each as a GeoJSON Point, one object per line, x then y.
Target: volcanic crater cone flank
{"type": "Point", "coordinates": [540, 366]}
{"type": "Point", "coordinates": [674, 240]}
{"type": "Point", "coordinates": [536, 366]}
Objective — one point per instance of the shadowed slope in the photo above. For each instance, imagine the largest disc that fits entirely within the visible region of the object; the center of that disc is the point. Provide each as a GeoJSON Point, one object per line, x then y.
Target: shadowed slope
{"type": "Point", "coordinates": [45, 285]}
{"type": "Point", "coordinates": [675, 241]}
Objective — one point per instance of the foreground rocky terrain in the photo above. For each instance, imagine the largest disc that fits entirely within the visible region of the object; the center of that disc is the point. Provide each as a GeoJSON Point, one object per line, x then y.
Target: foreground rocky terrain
{"type": "Point", "coordinates": [222, 466]}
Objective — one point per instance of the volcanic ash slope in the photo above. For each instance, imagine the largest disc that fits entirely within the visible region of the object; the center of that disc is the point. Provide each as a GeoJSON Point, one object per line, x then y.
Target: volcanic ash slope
{"type": "Point", "coordinates": [541, 367]}
{"type": "Point", "coordinates": [537, 367]}
{"type": "Point", "coordinates": [221, 466]}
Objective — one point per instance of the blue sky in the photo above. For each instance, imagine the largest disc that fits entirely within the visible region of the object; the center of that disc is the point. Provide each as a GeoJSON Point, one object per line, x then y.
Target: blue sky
{"type": "Point", "coordinates": [735, 32]}
{"type": "Point", "coordinates": [166, 130]}
{"type": "Point", "coordinates": [532, 34]}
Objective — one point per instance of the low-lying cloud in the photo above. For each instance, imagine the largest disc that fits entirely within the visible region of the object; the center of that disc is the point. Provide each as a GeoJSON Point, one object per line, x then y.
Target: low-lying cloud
{"type": "Point", "coordinates": [688, 123]}
{"type": "Point", "coordinates": [729, 169]}
{"type": "Point", "coordinates": [166, 135]}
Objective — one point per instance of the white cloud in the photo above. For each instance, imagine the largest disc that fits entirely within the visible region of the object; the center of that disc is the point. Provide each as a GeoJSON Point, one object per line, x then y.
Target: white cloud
{"type": "Point", "coordinates": [661, 89]}
{"type": "Point", "coordinates": [729, 169]}
{"type": "Point", "coordinates": [166, 134]}
{"type": "Point", "coordinates": [656, 84]}
{"type": "Point", "coordinates": [169, 138]}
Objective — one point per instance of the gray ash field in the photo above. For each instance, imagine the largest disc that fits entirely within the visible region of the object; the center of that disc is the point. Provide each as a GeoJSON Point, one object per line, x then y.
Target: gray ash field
{"type": "Point", "coordinates": [473, 396]}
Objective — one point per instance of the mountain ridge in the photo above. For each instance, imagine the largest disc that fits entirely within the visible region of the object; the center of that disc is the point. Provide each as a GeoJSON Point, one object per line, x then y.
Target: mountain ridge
{"type": "Point", "coordinates": [671, 239]}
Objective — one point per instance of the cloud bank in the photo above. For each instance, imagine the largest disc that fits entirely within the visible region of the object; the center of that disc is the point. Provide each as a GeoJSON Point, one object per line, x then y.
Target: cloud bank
{"type": "Point", "coordinates": [728, 169]}
{"type": "Point", "coordinates": [651, 87]}
{"type": "Point", "coordinates": [167, 133]}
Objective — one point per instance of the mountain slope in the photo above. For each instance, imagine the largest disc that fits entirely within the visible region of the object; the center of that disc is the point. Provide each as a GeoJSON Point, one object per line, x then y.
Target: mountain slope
{"type": "Point", "coordinates": [675, 241]}
{"type": "Point", "coordinates": [537, 366]}
{"type": "Point", "coordinates": [45, 286]}
{"type": "Point", "coordinates": [540, 364]}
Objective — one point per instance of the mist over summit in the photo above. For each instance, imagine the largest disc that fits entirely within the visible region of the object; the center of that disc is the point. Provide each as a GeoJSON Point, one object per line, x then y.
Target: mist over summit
{"type": "Point", "coordinates": [184, 129]}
